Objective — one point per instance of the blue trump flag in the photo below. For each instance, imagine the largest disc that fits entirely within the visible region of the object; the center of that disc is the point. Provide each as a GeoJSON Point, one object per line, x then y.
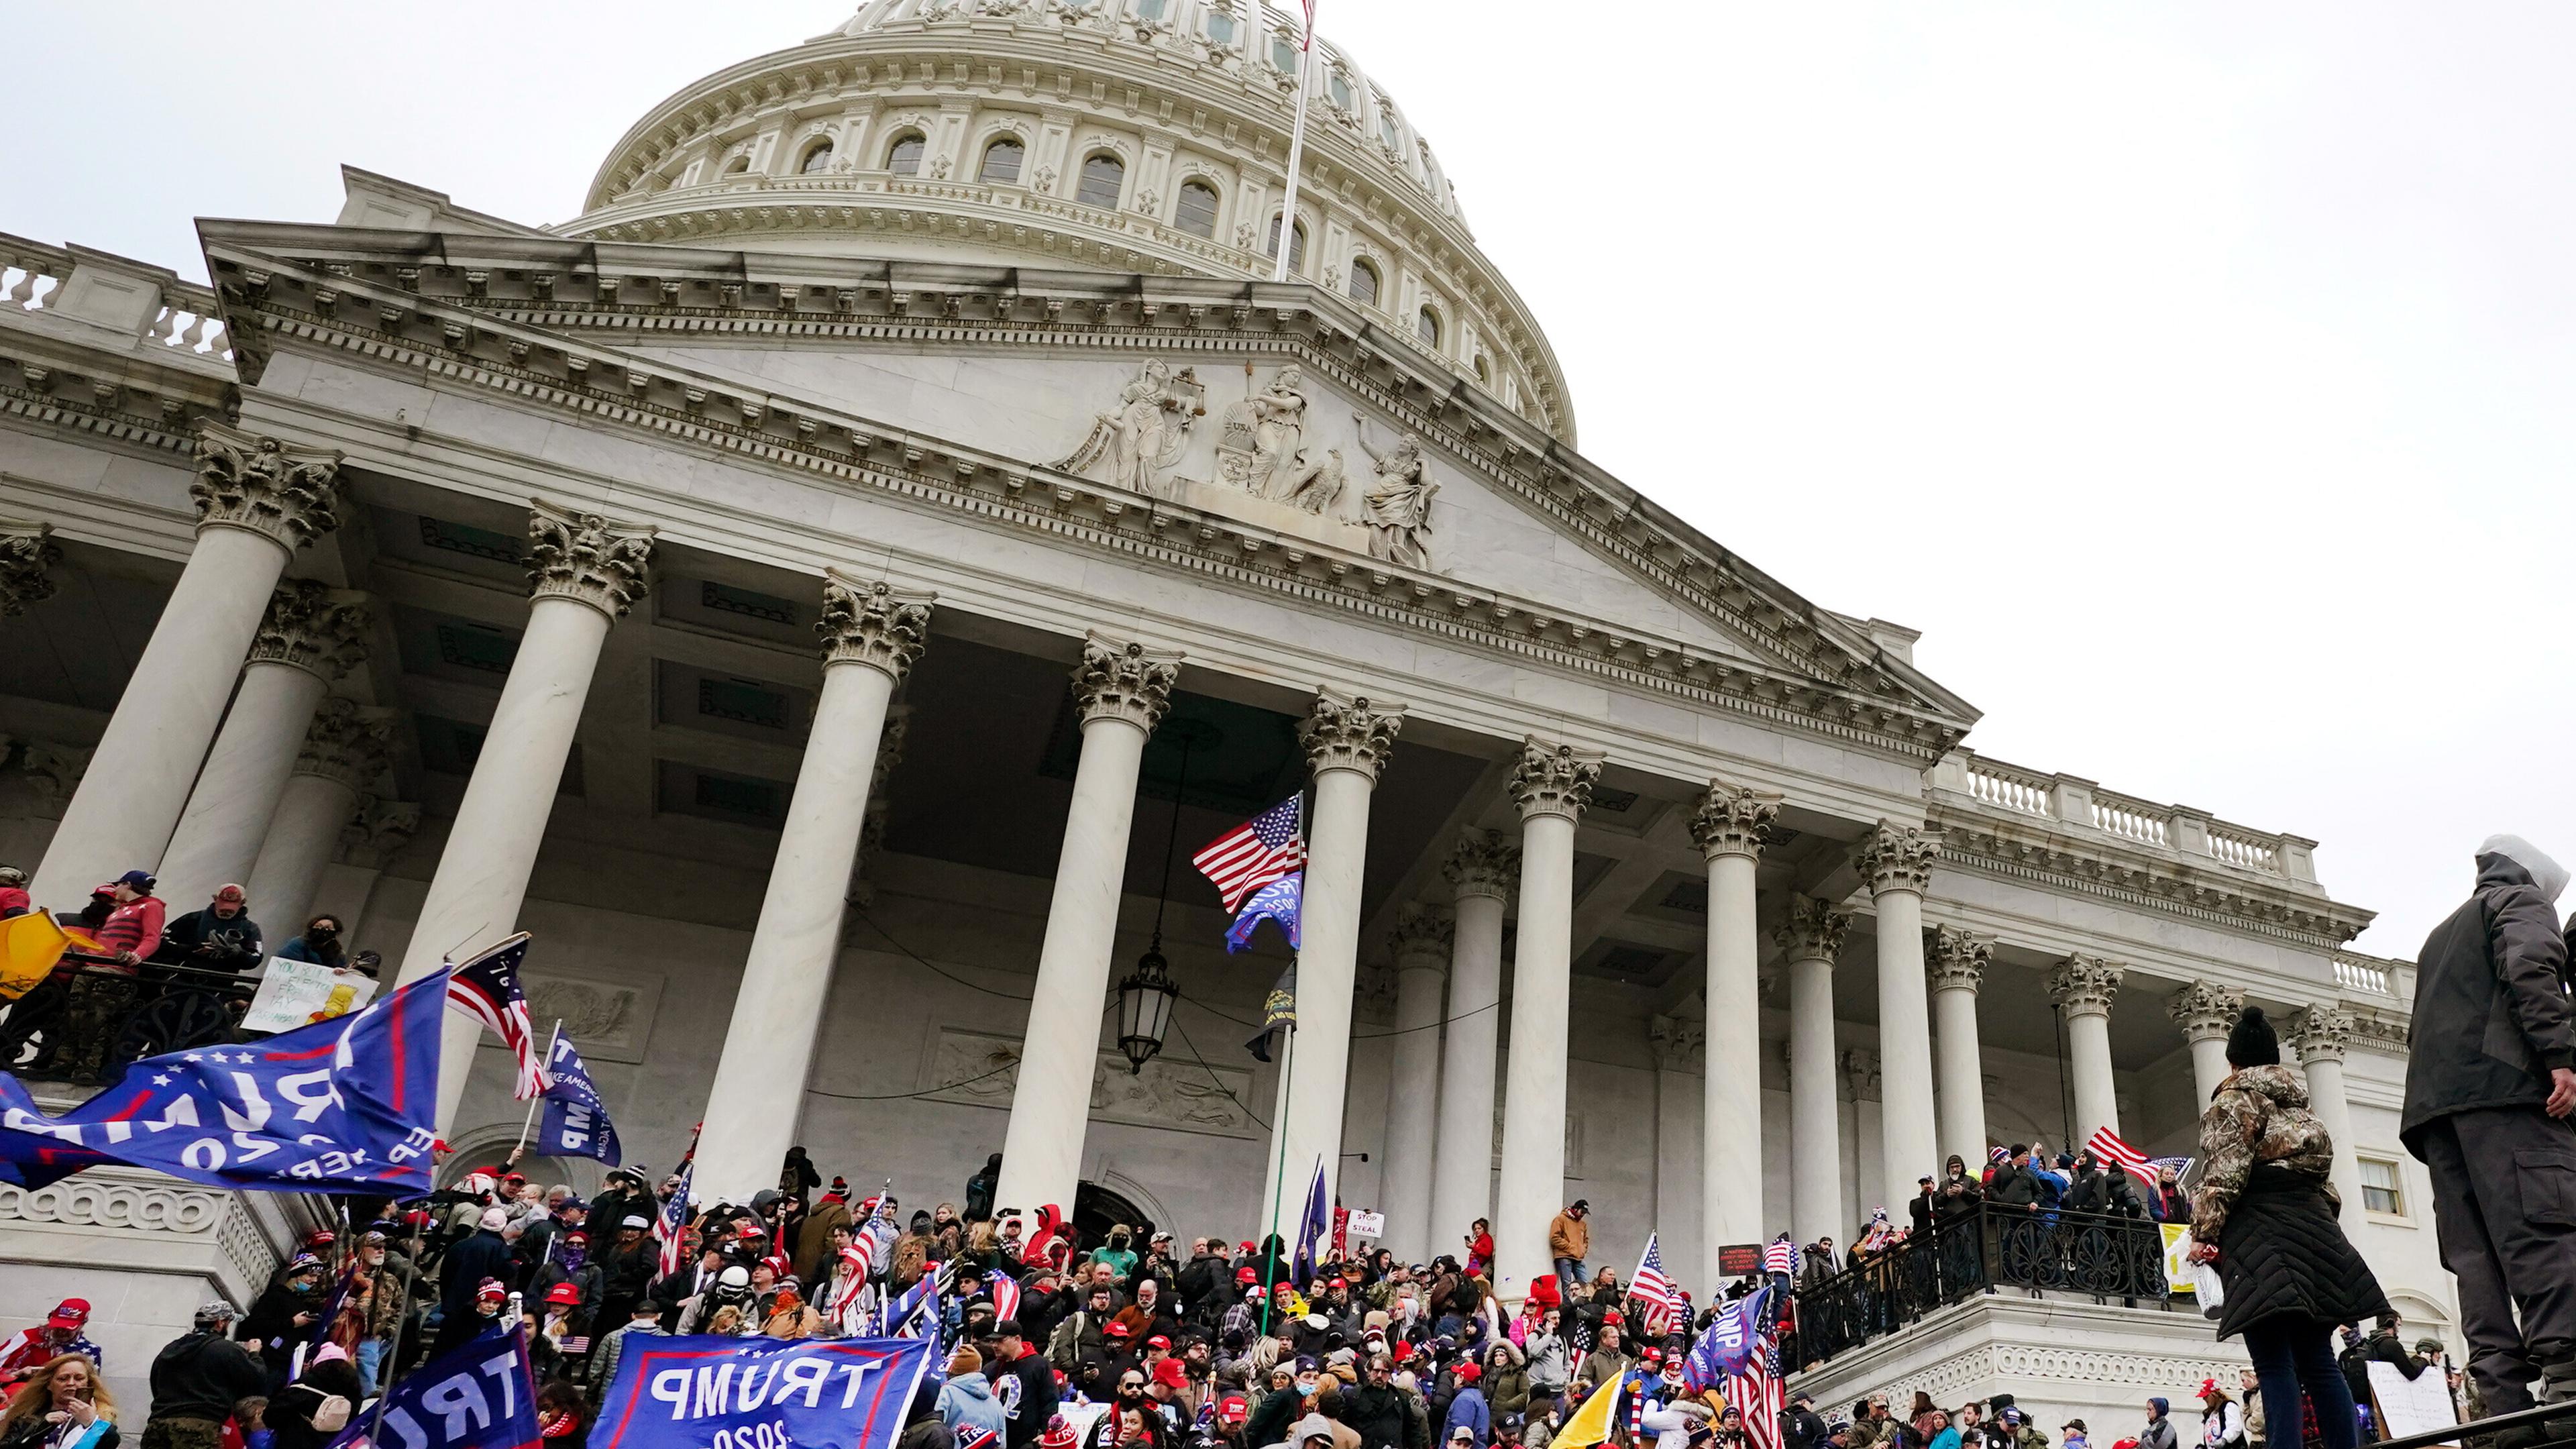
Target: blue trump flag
{"type": "Point", "coordinates": [347, 1104]}
{"type": "Point", "coordinates": [1730, 1341]}
{"type": "Point", "coordinates": [576, 1121]}
{"type": "Point", "coordinates": [1282, 900]}
{"type": "Point", "coordinates": [480, 1396]}
{"type": "Point", "coordinates": [712, 1392]}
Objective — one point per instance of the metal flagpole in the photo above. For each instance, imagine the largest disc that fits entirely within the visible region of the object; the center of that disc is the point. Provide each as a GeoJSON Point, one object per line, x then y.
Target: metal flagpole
{"type": "Point", "coordinates": [529, 1125]}
{"type": "Point", "coordinates": [1279, 1179]}
{"type": "Point", "coordinates": [1296, 147]}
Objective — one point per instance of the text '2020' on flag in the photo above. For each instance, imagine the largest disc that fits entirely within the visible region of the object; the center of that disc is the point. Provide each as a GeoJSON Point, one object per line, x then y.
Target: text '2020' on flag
{"type": "Point", "coordinates": [347, 1104]}
{"type": "Point", "coordinates": [479, 1396]}
{"type": "Point", "coordinates": [689, 1393]}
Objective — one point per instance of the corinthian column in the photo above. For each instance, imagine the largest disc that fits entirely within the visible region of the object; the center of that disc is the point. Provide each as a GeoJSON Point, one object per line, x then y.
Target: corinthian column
{"type": "Point", "coordinates": [1347, 741]}
{"type": "Point", "coordinates": [2083, 988]}
{"type": "Point", "coordinates": [587, 573]}
{"type": "Point", "coordinates": [2321, 1034]}
{"type": "Point", "coordinates": [1421, 945]}
{"type": "Point", "coordinates": [1484, 871]}
{"type": "Point", "coordinates": [2206, 1013]}
{"type": "Point", "coordinates": [344, 751]}
{"type": "Point", "coordinates": [1120, 693]}
{"type": "Point", "coordinates": [1811, 939]}
{"type": "Point", "coordinates": [1551, 786]}
{"type": "Point", "coordinates": [311, 636]}
{"type": "Point", "coordinates": [1896, 861]}
{"type": "Point", "coordinates": [257, 502]}
{"type": "Point", "coordinates": [871, 635]}
{"type": "Point", "coordinates": [1729, 827]}
{"type": "Point", "coordinates": [1958, 968]}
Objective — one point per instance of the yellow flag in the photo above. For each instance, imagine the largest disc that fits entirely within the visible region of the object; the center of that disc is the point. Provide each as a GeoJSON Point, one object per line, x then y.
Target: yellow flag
{"type": "Point", "coordinates": [29, 947]}
{"type": "Point", "coordinates": [1591, 1423]}
{"type": "Point", "coordinates": [2177, 1238]}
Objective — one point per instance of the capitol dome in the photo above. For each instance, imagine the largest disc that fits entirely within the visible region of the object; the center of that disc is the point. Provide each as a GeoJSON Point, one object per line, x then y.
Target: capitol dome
{"type": "Point", "coordinates": [1114, 135]}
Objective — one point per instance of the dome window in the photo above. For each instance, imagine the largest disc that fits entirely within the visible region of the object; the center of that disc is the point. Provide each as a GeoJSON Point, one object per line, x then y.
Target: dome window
{"type": "Point", "coordinates": [1283, 55]}
{"type": "Point", "coordinates": [1484, 372]}
{"type": "Point", "coordinates": [1103, 178]}
{"type": "Point", "coordinates": [1427, 327]}
{"type": "Point", "coordinates": [1296, 247]}
{"type": "Point", "coordinates": [818, 158]}
{"type": "Point", "coordinates": [1220, 27]}
{"type": "Point", "coordinates": [1195, 212]}
{"type": "Point", "coordinates": [1363, 283]}
{"type": "Point", "coordinates": [904, 158]}
{"type": "Point", "coordinates": [1338, 86]}
{"type": "Point", "coordinates": [1387, 132]}
{"type": "Point", "coordinates": [737, 166]}
{"type": "Point", "coordinates": [1002, 161]}
{"type": "Point", "coordinates": [1151, 10]}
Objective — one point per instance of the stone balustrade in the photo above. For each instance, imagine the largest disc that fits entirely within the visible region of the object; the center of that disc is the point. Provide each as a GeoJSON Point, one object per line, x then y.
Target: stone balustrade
{"type": "Point", "coordinates": [2080, 806]}
{"type": "Point", "coordinates": [155, 306]}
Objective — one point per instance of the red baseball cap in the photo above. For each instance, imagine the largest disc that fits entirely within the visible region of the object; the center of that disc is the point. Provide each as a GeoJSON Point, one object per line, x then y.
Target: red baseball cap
{"type": "Point", "coordinates": [1118, 1330]}
{"type": "Point", "coordinates": [70, 1313]}
{"type": "Point", "coordinates": [1158, 1341]}
{"type": "Point", "coordinates": [1468, 1373]}
{"type": "Point", "coordinates": [1233, 1409]}
{"type": "Point", "coordinates": [1170, 1374]}
{"type": "Point", "coordinates": [1246, 1275]}
{"type": "Point", "coordinates": [1612, 1317]}
{"type": "Point", "coordinates": [563, 1293]}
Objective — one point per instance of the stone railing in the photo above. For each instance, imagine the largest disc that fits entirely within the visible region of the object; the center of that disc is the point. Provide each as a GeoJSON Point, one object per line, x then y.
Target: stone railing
{"type": "Point", "coordinates": [159, 308]}
{"type": "Point", "coordinates": [2079, 805]}
{"type": "Point", "coordinates": [2369, 976]}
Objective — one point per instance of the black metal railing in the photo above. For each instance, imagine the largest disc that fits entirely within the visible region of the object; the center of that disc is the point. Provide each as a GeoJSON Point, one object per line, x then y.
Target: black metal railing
{"type": "Point", "coordinates": [86, 1021]}
{"type": "Point", "coordinates": [1990, 1249]}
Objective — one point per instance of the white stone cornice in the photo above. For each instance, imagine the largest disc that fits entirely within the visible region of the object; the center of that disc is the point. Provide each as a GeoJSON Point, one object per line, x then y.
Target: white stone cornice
{"type": "Point", "coordinates": [2085, 985]}
{"type": "Point", "coordinates": [872, 623]}
{"type": "Point", "coordinates": [1813, 931]}
{"type": "Point", "coordinates": [2205, 1010]}
{"type": "Point", "coordinates": [1897, 858]}
{"type": "Point", "coordinates": [314, 627]}
{"type": "Point", "coordinates": [347, 743]}
{"type": "Point", "coordinates": [587, 558]}
{"type": "Point", "coordinates": [1124, 681]}
{"type": "Point", "coordinates": [27, 553]}
{"type": "Point", "coordinates": [1349, 732]}
{"type": "Point", "coordinates": [1957, 959]}
{"type": "Point", "coordinates": [1553, 779]}
{"type": "Point", "coordinates": [289, 496]}
{"type": "Point", "coordinates": [1482, 864]}
{"type": "Point", "coordinates": [1732, 820]}
{"type": "Point", "coordinates": [2103, 868]}
{"type": "Point", "coordinates": [1422, 938]}
{"type": "Point", "coordinates": [2322, 1032]}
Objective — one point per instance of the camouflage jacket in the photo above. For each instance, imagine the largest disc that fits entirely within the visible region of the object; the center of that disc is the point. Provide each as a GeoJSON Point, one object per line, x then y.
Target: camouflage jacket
{"type": "Point", "coordinates": [2258, 1115]}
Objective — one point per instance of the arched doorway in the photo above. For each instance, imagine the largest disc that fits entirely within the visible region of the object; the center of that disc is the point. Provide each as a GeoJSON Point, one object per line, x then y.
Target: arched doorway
{"type": "Point", "coordinates": [1097, 1209]}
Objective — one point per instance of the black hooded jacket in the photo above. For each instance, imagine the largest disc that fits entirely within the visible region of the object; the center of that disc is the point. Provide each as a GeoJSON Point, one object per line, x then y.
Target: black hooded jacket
{"type": "Point", "coordinates": [2491, 1014]}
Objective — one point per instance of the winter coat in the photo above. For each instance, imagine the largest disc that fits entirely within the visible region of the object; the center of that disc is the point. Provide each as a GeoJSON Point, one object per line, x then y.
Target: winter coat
{"type": "Point", "coordinates": [1550, 1368]}
{"type": "Point", "coordinates": [1569, 1236]}
{"type": "Point", "coordinates": [1507, 1387]}
{"type": "Point", "coordinates": [2265, 1201]}
{"type": "Point", "coordinates": [966, 1401]}
{"type": "Point", "coordinates": [2014, 1187]}
{"type": "Point", "coordinates": [201, 1376]}
{"type": "Point", "coordinates": [813, 1236]}
{"type": "Point", "coordinates": [2491, 1013]}
{"type": "Point", "coordinates": [2101, 1191]}
{"type": "Point", "coordinates": [1383, 1418]}
{"type": "Point", "coordinates": [1605, 1366]}
{"type": "Point", "coordinates": [2157, 1435]}
{"type": "Point", "coordinates": [1468, 1411]}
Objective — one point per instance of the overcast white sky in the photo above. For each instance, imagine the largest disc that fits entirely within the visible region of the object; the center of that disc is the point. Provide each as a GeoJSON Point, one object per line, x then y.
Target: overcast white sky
{"type": "Point", "coordinates": [2196, 377]}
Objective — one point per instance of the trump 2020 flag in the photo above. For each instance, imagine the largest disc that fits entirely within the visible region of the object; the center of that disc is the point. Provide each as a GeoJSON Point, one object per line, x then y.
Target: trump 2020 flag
{"type": "Point", "coordinates": [344, 1105]}
{"type": "Point", "coordinates": [1280, 901]}
{"type": "Point", "coordinates": [480, 1396]}
{"type": "Point", "coordinates": [576, 1121]}
{"type": "Point", "coordinates": [702, 1390]}
{"type": "Point", "coordinates": [1730, 1342]}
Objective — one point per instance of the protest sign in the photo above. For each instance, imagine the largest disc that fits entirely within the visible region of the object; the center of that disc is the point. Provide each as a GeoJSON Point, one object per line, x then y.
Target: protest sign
{"type": "Point", "coordinates": [298, 993]}
{"type": "Point", "coordinates": [708, 1391]}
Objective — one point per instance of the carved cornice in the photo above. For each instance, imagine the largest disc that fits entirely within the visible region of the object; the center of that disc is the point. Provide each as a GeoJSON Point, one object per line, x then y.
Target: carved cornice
{"type": "Point", "coordinates": [1732, 820]}
{"type": "Point", "coordinates": [346, 744]}
{"type": "Point", "coordinates": [1957, 959]}
{"type": "Point", "coordinates": [1482, 864]}
{"type": "Point", "coordinates": [2205, 1010]}
{"type": "Point", "coordinates": [1897, 858]}
{"type": "Point", "coordinates": [313, 627]}
{"type": "Point", "coordinates": [1813, 931]}
{"type": "Point", "coordinates": [2322, 1032]}
{"type": "Point", "coordinates": [2101, 869]}
{"type": "Point", "coordinates": [1349, 733]}
{"type": "Point", "coordinates": [874, 624]}
{"type": "Point", "coordinates": [1124, 682]}
{"type": "Point", "coordinates": [2085, 985]}
{"type": "Point", "coordinates": [27, 554]}
{"type": "Point", "coordinates": [1553, 779]}
{"type": "Point", "coordinates": [2379, 1032]}
{"type": "Point", "coordinates": [1423, 937]}
{"type": "Point", "coordinates": [288, 495]}
{"type": "Point", "coordinates": [1680, 1045]}
{"type": "Point", "coordinates": [587, 558]}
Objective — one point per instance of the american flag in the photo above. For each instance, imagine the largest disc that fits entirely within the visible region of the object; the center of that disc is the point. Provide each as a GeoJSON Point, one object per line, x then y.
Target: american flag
{"type": "Point", "coordinates": [1759, 1393]}
{"type": "Point", "coordinates": [1006, 1297]}
{"type": "Point", "coordinates": [1260, 850]}
{"type": "Point", "coordinates": [1653, 1289]}
{"type": "Point", "coordinates": [2106, 1146]}
{"type": "Point", "coordinates": [1781, 1256]}
{"type": "Point", "coordinates": [487, 987]}
{"type": "Point", "coordinates": [852, 1283]}
{"type": "Point", "coordinates": [671, 1229]}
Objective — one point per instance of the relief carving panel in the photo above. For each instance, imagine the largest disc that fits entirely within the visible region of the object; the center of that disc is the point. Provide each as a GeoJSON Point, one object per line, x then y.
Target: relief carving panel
{"type": "Point", "coordinates": [1180, 1095]}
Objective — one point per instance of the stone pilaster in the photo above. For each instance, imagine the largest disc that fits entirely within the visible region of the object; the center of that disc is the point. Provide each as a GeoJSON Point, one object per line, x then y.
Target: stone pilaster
{"type": "Point", "coordinates": [587, 558]}
{"type": "Point", "coordinates": [1956, 967]}
{"type": "Point", "coordinates": [346, 744]}
{"type": "Point", "coordinates": [1553, 780]}
{"type": "Point", "coordinates": [290, 496]}
{"type": "Point", "coordinates": [378, 831]}
{"type": "Point", "coordinates": [2084, 987]}
{"type": "Point", "coordinates": [313, 627]}
{"type": "Point", "coordinates": [1124, 681]}
{"type": "Point", "coordinates": [1679, 1043]}
{"type": "Point", "coordinates": [27, 556]}
{"type": "Point", "coordinates": [1348, 733]}
{"type": "Point", "coordinates": [872, 623]}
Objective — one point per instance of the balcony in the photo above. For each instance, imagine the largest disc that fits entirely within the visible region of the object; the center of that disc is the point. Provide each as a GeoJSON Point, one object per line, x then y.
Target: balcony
{"type": "Point", "coordinates": [83, 1024]}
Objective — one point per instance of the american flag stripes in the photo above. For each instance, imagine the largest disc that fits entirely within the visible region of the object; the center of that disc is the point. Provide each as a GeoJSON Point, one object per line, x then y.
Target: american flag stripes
{"type": "Point", "coordinates": [2106, 1145]}
{"type": "Point", "coordinates": [1781, 1256]}
{"type": "Point", "coordinates": [671, 1228]}
{"type": "Point", "coordinates": [1262, 849]}
{"type": "Point", "coordinates": [1653, 1289]}
{"type": "Point", "coordinates": [487, 989]}
{"type": "Point", "coordinates": [1006, 1297]}
{"type": "Point", "coordinates": [1759, 1393]}
{"type": "Point", "coordinates": [852, 1282]}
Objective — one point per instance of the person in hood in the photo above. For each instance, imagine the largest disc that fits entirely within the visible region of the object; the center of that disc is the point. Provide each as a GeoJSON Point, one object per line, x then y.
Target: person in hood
{"type": "Point", "coordinates": [2159, 1431]}
{"type": "Point", "coordinates": [196, 1380]}
{"type": "Point", "coordinates": [2265, 1214]}
{"type": "Point", "coordinates": [2490, 1081]}
{"type": "Point", "coordinates": [966, 1402]}
{"type": "Point", "coordinates": [480, 1255]}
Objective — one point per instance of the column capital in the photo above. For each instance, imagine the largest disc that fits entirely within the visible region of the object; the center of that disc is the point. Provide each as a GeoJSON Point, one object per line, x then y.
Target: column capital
{"type": "Point", "coordinates": [314, 627]}
{"type": "Point", "coordinates": [1860, 1069]}
{"type": "Point", "coordinates": [1482, 864]}
{"type": "Point", "coordinates": [2085, 985]}
{"type": "Point", "coordinates": [2322, 1033]}
{"type": "Point", "coordinates": [872, 623]}
{"type": "Point", "coordinates": [1733, 820]}
{"type": "Point", "coordinates": [346, 743]}
{"type": "Point", "coordinates": [290, 496]}
{"type": "Point", "coordinates": [1423, 937]}
{"type": "Point", "coordinates": [1957, 959]}
{"type": "Point", "coordinates": [1124, 681]}
{"type": "Point", "coordinates": [1554, 779]}
{"type": "Point", "coordinates": [1680, 1044]}
{"type": "Point", "coordinates": [588, 558]}
{"type": "Point", "coordinates": [378, 832]}
{"type": "Point", "coordinates": [2205, 1011]}
{"type": "Point", "coordinates": [27, 555]}
{"type": "Point", "coordinates": [1897, 857]}
{"type": "Point", "coordinates": [1813, 931]}
{"type": "Point", "coordinates": [1348, 732]}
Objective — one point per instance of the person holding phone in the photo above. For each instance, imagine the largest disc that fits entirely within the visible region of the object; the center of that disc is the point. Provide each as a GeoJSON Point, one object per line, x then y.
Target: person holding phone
{"type": "Point", "coordinates": [63, 1406]}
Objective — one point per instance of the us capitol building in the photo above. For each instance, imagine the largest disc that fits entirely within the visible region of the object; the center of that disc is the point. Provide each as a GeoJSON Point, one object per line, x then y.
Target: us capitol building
{"type": "Point", "coordinates": [697, 584]}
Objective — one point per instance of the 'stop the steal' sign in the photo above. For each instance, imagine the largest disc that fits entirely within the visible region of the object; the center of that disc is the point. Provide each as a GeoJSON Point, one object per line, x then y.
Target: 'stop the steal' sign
{"type": "Point", "coordinates": [712, 1392]}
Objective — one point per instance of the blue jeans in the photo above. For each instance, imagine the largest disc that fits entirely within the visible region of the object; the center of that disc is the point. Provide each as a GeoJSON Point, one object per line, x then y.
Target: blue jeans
{"type": "Point", "coordinates": [371, 1355]}
{"type": "Point", "coordinates": [2291, 1354]}
{"type": "Point", "coordinates": [1569, 1271]}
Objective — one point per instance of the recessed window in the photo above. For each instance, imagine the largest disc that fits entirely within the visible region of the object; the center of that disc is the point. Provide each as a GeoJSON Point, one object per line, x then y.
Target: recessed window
{"type": "Point", "coordinates": [2382, 1190]}
{"type": "Point", "coordinates": [1484, 371]}
{"type": "Point", "coordinates": [1387, 132]}
{"type": "Point", "coordinates": [1002, 160]}
{"type": "Point", "coordinates": [754, 798]}
{"type": "Point", "coordinates": [1426, 326]}
{"type": "Point", "coordinates": [726, 599]}
{"type": "Point", "coordinates": [1220, 26]}
{"type": "Point", "coordinates": [1283, 55]}
{"type": "Point", "coordinates": [904, 159]}
{"type": "Point", "coordinates": [818, 158]}
{"type": "Point", "coordinates": [469, 646]}
{"type": "Point", "coordinates": [743, 702]}
{"type": "Point", "coordinates": [1151, 10]}
{"type": "Point", "coordinates": [1363, 283]}
{"type": "Point", "coordinates": [1338, 86]}
{"type": "Point", "coordinates": [470, 541]}
{"type": "Point", "coordinates": [737, 166]}
{"type": "Point", "coordinates": [1103, 178]}
{"type": "Point", "coordinates": [1195, 212]}
{"type": "Point", "coordinates": [1296, 246]}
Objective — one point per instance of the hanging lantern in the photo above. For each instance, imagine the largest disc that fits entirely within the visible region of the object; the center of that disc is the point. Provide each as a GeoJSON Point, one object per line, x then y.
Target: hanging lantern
{"type": "Point", "coordinates": [1145, 1009]}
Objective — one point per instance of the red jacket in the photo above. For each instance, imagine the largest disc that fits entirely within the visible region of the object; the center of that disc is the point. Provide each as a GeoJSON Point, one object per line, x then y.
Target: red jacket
{"type": "Point", "coordinates": [134, 926]}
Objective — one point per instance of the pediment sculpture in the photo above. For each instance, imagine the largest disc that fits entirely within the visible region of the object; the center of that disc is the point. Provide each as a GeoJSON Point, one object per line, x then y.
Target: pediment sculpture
{"type": "Point", "coordinates": [1143, 437]}
{"type": "Point", "coordinates": [1398, 504]}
